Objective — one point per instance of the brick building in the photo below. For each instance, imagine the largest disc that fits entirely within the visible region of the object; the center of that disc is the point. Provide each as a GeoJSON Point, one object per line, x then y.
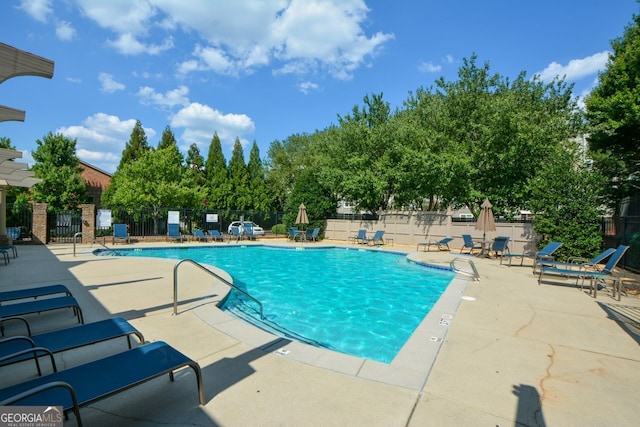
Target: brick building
{"type": "Point", "coordinates": [97, 181]}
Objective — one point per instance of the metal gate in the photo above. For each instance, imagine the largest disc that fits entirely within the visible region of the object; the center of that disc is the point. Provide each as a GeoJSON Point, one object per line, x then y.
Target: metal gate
{"type": "Point", "coordinates": [62, 225]}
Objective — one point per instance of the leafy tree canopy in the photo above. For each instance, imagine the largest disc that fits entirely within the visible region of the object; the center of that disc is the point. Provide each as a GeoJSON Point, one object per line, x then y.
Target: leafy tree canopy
{"type": "Point", "coordinates": [56, 163]}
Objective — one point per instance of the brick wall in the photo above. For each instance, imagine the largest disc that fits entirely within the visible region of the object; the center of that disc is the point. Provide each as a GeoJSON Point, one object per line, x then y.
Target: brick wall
{"type": "Point", "coordinates": [97, 181]}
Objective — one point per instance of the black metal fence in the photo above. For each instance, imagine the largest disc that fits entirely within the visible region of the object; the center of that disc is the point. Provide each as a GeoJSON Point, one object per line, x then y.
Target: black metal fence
{"type": "Point", "coordinates": [153, 222]}
{"type": "Point", "coordinates": [624, 229]}
{"type": "Point", "coordinates": [20, 216]}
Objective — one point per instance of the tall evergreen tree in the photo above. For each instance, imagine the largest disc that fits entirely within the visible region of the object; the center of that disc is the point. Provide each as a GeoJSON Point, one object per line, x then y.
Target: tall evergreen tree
{"type": "Point", "coordinates": [56, 163]}
{"type": "Point", "coordinates": [257, 186]}
{"type": "Point", "coordinates": [168, 141]}
{"type": "Point", "coordinates": [195, 163]}
{"type": "Point", "coordinates": [217, 176]}
{"type": "Point", "coordinates": [240, 198]}
{"type": "Point", "coordinates": [136, 146]}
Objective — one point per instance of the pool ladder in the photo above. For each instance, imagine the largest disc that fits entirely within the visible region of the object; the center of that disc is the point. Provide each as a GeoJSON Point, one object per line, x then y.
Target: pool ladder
{"type": "Point", "coordinates": [473, 273]}
{"type": "Point", "coordinates": [217, 276]}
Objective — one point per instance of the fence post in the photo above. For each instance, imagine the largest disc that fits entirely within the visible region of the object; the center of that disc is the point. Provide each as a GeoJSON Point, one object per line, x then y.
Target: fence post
{"type": "Point", "coordinates": [89, 221]}
{"type": "Point", "coordinates": [39, 231]}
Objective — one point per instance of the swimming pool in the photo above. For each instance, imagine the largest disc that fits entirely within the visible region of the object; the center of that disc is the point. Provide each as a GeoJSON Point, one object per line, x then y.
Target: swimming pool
{"type": "Point", "coordinates": [359, 302]}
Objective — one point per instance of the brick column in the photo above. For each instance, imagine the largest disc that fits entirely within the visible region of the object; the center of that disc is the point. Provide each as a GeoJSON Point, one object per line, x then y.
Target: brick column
{"type": "Point", "coordinates": [39, 232]}
{"type": "Point", "coordinates": [89, 221]}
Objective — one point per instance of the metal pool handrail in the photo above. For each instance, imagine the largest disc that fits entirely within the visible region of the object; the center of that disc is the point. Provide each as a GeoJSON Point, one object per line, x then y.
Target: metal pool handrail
{"type": "Point", "coordinates": [80, 233]}
{"type": "Point", "coordinates": [474, 273]}
{"type": "Point", "coordinates": [217, 276]}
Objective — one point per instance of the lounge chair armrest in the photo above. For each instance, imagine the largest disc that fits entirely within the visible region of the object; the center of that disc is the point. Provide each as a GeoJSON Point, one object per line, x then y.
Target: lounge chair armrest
{"type": "Point", "coordinates": [43, 388]}
{"type": "Point", "coordinates": [17, 338]}
{"type": "Point", "coordinates": [19, 355]}
{"type": "Point", "coordinates": [21, 319]}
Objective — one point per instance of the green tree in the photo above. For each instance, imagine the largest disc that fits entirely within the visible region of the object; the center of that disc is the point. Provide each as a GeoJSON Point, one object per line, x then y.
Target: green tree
{"type": "Point", "coordinates": [257, 186]}
{"type": "Point", "coordinates": [285, 160]}
{"type": "Point", "coordinates": [157, 180]}
{"type": "Point", "coordinates": [613, 114]}
{"type": "Point", "coordinates": [240, 196]}
{"type": "Point", "coordinates": [317, 198]}
{"type": "Point", "coordinates": [567, 203]}
{"type": "Point", "coordinates": [195, 163]}
{"type": "Point", "coordinates": [168, 139]}
{"type": "Point", "coordinates": [56, 163]}
{"type": "Point", "coordinates": [13, 193]}
{"type": "Point", "coordinates": [217, 176]}
{"type": "Point", "coordinates": [136, 147]}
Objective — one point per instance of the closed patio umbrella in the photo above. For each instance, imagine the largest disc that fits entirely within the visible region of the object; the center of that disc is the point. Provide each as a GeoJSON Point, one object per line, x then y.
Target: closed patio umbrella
{"type": "Point", "coordinates": [302, 215]}
{"type": "Point", "coordinates": [486, 221]}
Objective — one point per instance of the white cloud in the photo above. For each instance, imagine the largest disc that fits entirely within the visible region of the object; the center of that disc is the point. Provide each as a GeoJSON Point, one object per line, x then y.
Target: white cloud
{"type": "Point", "coordinates": [294, 36]}
{"type": "Point", "coordinates": [307, 87]}
{"type": "Point", "coordinates": [108, 84]}
{"type": "Point", "coordinates": [101, 139]}
{"type": "Point", "coordinates": [64, 31]}
{"type": "Point", "coordinates": [149, 96]}
{"type": "Point", "coordinates": [576, 68]}
{"type": "Point", "coordinates": [201, 121]}
{"type": "Point", "coordinates": [128, 44]}
{"type": "Point", "coordinates": [37, 9]}
{"type": "Point", "coordinates": [429, 67]}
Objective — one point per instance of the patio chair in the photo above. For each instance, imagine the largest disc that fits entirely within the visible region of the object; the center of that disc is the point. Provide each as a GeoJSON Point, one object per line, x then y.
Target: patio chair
{"type": "Point", "coordinates": [442, 244]}
{"type": "Point", "coordinates": [235, 234]}
{"type": "Point", "coordinates": [377, 239]}
{"type": "Point", "coordinates": [215, 235]}
{"type": "Point", "coordinates": [545, 253]}
{"type": "Point", "coordinates": [500, 247]}
{"type": "Point", "coordinates": [68, 338]}
{"type": "Point", "coordinates": [14, 233]}
{"type": "Point", "coordinates": [84, 384]}
{"type": "Point", "coordinates": [294, 233]}
{"type": "Point", "coordinates": [248, 231]}
{"type": "Point", "coordinates": [469, 244]}
{"type": "Point", "coordinates": [120, 232]}
{"type": "Point", "coordinates": [312, 234]}
{"type": "Point", "coordinates": [173, 232]}
{"type": "Point", "coordinates": [41, 305]}
{"type": "Point", "coordinates": [595, 277]}
{"type": "Point", "coordinates": [360, 238]}
{"type": "Point", "coordinates": [199, 235]}
{"type": "Point", "coordinates": [5, 255]}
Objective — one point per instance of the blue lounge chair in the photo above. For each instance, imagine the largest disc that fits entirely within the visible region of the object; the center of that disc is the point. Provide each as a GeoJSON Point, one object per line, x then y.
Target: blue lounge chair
{"type": "Point", "coordinates": [581, 263]}
{"type": "Point", "coordinates": [87, 383]}
{"type": "Point", "coordinates": [545, 253]}
{"type": "Point", "coordinates": [33, 292]}
{"type": "Point", "coordinates": [5, 255]}
{"type": "Point", "coordinates": [595, 277]}
{"type": "Point", "coordinates": [377, 239]}
{"type": "Point", "coordinates": [120, 232]}
{"type": "Point", "coordinates": [215, 235]}
{"type": "Point", "coordinates": [13, 233]}
{"type": "Point", "coordinates": [500, 247]}
{"type": "Point", "coordinates": [41, 305]}
{"type": "Point", "coordinates": [469, 244]}
{"type": "Point", "coordinates": [442, 244]}
{"type": "Point", "coordinates": [360, 238]}
{"type": "Point", "coordinates": [68, 338]}
{"type": "Point", "coordinates": [199, 235]}
{"type": "Point", "coordinates": [173, 232]}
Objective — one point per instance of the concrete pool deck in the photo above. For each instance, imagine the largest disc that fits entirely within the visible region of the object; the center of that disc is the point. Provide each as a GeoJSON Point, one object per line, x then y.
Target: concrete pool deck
{"type": "Point", "coordinates": [514, 353]}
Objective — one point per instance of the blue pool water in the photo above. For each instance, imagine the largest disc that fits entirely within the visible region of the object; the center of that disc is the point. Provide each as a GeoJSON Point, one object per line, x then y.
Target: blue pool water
{"type": "Point", "coordinates": [363, 303]}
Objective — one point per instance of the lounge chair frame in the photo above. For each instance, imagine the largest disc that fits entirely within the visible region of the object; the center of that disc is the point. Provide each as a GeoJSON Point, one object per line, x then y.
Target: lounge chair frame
{"type": "Point", "coordinates": [442, 244]}
{"type": "Point", "coordinates": [87, 383]}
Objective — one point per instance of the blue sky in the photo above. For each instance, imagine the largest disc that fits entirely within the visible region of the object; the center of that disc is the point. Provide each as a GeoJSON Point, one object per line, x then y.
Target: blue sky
{"type": "Point", "coordinates": [261, 70]}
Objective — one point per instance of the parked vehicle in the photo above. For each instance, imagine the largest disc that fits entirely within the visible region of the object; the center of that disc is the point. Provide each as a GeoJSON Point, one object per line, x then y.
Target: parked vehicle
{"type": "Point", "coordinates": [257, 230]}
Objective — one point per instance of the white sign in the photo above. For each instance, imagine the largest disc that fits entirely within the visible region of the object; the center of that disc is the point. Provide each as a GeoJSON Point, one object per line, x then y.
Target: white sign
{"type": "Point", "coordinates": [104, 218]}
{"type": "Point", "coordinates": [173, 217]}
{"type": "Point", "coordinates": [212, 217]}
